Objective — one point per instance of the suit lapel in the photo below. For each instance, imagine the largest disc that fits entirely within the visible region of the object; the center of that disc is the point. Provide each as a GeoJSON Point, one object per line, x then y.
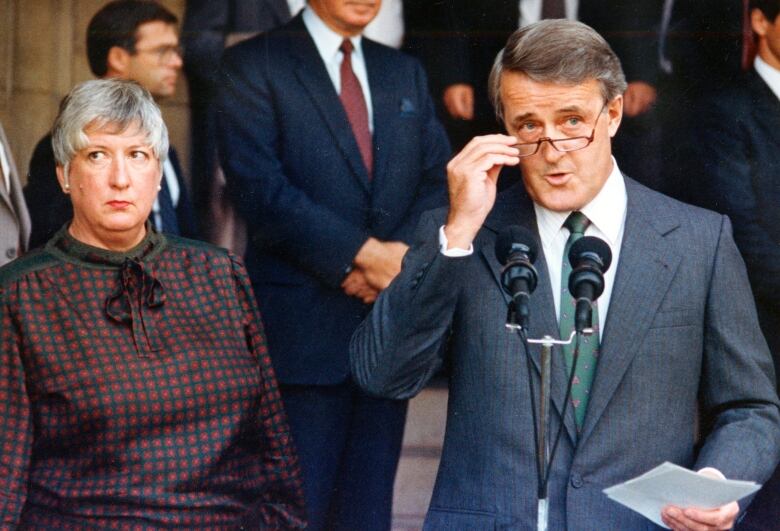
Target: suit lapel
{"type": "Point", "coordinates": [646, 266]}
{"type": "Point", "coordinates": [515, 207]}
{"type": "Point", "coordinates": [766, 107]}
{"type": "Point", "coordinates": [384, 96]}
{"type": "Point", "coordinates": [314, 77]}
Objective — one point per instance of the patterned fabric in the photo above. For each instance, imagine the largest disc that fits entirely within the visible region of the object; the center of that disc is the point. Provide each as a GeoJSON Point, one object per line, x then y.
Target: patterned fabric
{"type": "Point", "coordinates": [355, 106]}
{"type": "Point", "coordinates": [136, 391]}
{"type": "Point", "coordinates": [587, 354]}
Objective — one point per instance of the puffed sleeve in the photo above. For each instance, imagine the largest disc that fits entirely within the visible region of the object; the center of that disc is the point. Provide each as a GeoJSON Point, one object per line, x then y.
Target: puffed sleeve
{"type": "Point", "coordinates": [283, 503]}
{"type": "Point", "coordinates": [15, 420]}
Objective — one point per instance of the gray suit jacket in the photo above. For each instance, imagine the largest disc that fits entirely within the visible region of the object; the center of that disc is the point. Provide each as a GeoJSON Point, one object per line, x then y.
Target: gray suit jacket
{"type": "Point", "coordinates": [14, 218]}
{"type": "Point", "coordinates": [681, 337]}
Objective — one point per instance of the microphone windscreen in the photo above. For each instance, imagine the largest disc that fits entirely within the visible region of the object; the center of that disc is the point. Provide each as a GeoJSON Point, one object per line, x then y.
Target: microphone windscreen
{"type": "Point", "coordinates": [515, 238]}
{"type": "Point", "coordinates": [593, 246]}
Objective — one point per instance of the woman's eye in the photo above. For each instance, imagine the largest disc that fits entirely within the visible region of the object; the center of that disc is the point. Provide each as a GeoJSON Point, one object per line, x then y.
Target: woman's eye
{"type": "Point", "coordinates": [96, 155]}
{"type": "Point", "coordinates": [139, 155]}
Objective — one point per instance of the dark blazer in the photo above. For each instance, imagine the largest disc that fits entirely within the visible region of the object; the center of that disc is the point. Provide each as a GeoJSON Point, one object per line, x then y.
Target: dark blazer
{"type": "Point", "coordinates": [205, 28]}
{"type": "Point", "coordinates": [295, 174]}
{"type": "Point", "coordinates": [681, 331]}
{"type": "Point", "coordinates": [736, 144]}
{"type": "Point", "coordinates": [14, 218]}
{"type": "Point", "coordinates": [735, 169]}
{"type": "Point", "coordinates": [50, 209]}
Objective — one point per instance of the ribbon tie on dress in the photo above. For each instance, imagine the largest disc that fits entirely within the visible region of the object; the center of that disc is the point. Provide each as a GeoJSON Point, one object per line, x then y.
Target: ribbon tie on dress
{"type": "Point", "coordinates": [138, 292]}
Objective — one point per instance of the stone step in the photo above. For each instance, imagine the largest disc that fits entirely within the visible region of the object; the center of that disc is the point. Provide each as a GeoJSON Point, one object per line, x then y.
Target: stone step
{"type": "Point", "coordinates": [420, 455]}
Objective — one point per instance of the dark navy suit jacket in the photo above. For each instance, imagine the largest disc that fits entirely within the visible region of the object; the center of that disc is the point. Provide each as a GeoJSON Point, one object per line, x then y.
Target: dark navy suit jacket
{"type": "Point", "coordinates": [737, 148]}
{"type": "Point", "coordinates": [50, 209]}
{"type": "Point", "coordinates": [295, 174]}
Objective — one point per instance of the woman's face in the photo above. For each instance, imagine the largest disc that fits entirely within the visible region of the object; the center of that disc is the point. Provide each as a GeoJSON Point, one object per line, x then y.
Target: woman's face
{"type": "Point", "coordinates": [112, 183]}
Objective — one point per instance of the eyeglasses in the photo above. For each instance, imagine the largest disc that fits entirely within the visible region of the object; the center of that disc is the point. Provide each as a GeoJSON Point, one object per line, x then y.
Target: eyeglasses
{"type": "Point", "coordinates": [574, 143]}
{"type": "Point", "coordinates": [165, 53]}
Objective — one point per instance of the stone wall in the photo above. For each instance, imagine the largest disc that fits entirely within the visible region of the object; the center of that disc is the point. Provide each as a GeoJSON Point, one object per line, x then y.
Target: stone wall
{"type": "Point", "coordinates": [42, 55]}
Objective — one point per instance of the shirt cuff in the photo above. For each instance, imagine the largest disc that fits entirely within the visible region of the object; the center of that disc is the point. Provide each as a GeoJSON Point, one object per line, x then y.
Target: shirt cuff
{"type": "Point", "coordinates": [454, 252]}
{"type": "Point", "coordinates": [712, 472]}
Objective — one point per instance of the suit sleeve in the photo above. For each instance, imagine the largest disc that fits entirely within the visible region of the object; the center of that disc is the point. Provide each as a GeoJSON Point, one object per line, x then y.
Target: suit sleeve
{"type": "Point", "coordinates": [722, 152]}
{"type": "Point", "coordinates": [16, 430]}
{"type": "Point", "coordinates": [311, 236]}
{"type": "Point", "coordinates": [282, 504]}
{"type": "Point", "coordinates": [737, 386]}
{"type": "Point", "coordinates": [400, 345]}
{"type": "Point", "coordinates": [203, 36]}
{"type": "Point", "coordinates": [49, 207]}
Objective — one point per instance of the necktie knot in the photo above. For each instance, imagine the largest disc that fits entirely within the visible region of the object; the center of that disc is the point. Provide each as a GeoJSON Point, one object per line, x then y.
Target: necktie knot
{"type": "Point", "coordinates": [577, 222]}
{"type": "Point", "coordinates": [346, 47]}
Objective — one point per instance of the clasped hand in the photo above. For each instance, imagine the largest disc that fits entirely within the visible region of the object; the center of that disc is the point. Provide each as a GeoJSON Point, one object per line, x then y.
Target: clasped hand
{"type": "Point", "coordinates": [375, 266]}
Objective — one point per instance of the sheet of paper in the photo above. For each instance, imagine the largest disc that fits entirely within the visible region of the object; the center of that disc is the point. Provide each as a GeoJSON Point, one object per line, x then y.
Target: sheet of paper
{"type": "Point", "coordinates": [671, 484]}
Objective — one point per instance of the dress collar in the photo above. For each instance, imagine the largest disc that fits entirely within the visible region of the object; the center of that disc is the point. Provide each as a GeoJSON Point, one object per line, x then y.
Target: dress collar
{"type": "Point", "coordinates": [64, 245]}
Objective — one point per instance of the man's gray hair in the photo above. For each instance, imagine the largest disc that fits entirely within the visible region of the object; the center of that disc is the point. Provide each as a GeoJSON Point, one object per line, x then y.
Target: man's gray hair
{"type": "Point", "coordinates": [102, 103]}
{"type": "Point", "coordinates": [558, 51]}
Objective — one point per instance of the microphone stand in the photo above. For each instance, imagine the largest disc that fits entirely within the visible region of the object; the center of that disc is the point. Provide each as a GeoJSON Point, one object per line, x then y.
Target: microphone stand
{"type": "Point", "coordinates": [541, 425]}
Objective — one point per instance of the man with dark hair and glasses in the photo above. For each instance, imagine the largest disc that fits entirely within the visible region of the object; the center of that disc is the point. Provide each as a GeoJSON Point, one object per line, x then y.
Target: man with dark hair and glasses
{"type": "Point", "coordinates": [126, 39]}
{"type": "Point", "coordinates": [674, 331]}
{"type": "Point", "coordinates": [737, 156]}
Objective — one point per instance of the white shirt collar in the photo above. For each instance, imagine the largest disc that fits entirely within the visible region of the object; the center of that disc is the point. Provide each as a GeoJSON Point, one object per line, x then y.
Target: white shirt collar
{"type": "Point", "coordinates": [769, 74]}
{"type": "Point", "coordinates": [326, 40]}
{"type": "Point", "coordinates": [606, 211]}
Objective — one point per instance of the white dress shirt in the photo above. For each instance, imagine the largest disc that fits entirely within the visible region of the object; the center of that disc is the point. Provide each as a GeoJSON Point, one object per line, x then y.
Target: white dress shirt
{"type": "Point", "coordinates": [6, 167]}
{"type": "Point", "coordinates": [328, 43]}
{"type": "Point", "coordinates": [531, 11]}
{"type": "Point", "coordinates": [169, 174]}
{"type": "Point", "coordinates": [607, 214]}
{"type": "Point", "coordinates": [769, 74]}
{"type": "Point", "coordinates": [295, 6]}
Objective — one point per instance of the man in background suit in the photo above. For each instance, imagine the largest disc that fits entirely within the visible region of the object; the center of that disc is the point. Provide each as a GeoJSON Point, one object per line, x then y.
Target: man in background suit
{"type": "Point", "coordinates": [675, 329]}
{"type": "Point", "coordinates": [14, 219]}
{"type": "Point", "coordinates": [737, 156]}
{"type": "Point", "coordinates": [126, 39]}
{"type": "Point", "coordinates": [480, 29]}
{"type": "Point", "coordinates": [208, 28]}
{"type": "Point", "coordinates": [331, 151]}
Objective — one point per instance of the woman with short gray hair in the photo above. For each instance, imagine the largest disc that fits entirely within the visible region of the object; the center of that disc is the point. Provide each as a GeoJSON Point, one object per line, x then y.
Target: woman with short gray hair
{"type": "Point", "coordinates": [135, 384]}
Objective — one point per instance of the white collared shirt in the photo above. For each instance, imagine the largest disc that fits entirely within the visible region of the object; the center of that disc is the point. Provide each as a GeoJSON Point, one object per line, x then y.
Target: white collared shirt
{"type": "Point", "coordinates": [169, 174]}
{"type": "Point", "coordinates": [607, 213]}
{"type": "Point", "coordinates": [769, 74]}
{"type": "Point", "coordinates": [328, 43]}
{"type": "Point", "coordinates": [295, 6]}
{"type": "Point", "coordinates": [5, 165]}
{"type": "Point", "coordinates": [531, 11]}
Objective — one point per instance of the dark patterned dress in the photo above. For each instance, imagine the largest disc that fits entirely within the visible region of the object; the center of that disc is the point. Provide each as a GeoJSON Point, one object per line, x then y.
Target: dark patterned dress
{"type": "Point", "coordinates": [136, 392]}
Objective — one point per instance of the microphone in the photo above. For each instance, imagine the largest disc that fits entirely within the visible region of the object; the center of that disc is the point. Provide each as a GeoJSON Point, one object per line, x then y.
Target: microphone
{"type": "Point", "coordinates": [590, 258]}
{"type": "Point", "coordinates": [516, 250]}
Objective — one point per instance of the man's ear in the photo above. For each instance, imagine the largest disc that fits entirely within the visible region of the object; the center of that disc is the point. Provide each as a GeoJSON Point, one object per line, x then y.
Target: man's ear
{"type": "Point", "coordinates": [615, 113]}
{"type": "Point", "coordinates": [117, 61]}
{"type": "Point", "coordinates": [758, 22]}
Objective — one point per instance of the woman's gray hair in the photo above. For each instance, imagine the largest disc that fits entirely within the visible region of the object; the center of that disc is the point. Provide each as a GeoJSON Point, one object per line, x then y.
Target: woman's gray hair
{"type": "Point", "coordinates": [101, 103]}
{"type": "Point", "coordinates": [558, 51]}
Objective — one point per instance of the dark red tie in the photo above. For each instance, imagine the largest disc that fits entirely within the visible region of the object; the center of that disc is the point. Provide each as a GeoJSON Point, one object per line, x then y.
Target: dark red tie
{"type": "Point", "coordinates": [355, 106]}
{"type": "Point", "coordinates": [553, 9]}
